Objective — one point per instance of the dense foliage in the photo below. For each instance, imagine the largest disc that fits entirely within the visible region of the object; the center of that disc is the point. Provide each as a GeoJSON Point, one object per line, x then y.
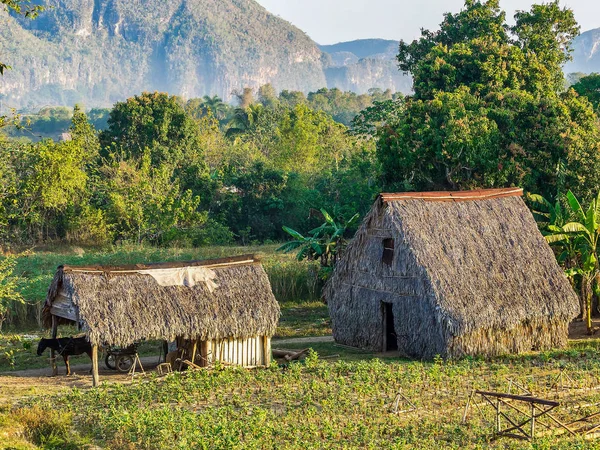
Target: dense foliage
{"type": "Point", "coordinates": [195, 172]}
{"type": "Point", "coordinates": [589, 86]}
{"type": "Point", "coordinates": [489, 107]}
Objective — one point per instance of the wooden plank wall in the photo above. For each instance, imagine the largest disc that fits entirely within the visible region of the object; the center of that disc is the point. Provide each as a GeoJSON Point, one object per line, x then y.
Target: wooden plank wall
{"type": "Point", "coordinates": [243, 352]}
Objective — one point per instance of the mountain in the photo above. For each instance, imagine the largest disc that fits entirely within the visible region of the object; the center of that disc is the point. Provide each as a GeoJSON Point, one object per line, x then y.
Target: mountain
{"type": "Point", "coordinates": [97, 52]}
{"type": "Point", "coordinates": [365, 48]}
{"type": "Point", "coordinates": [586, 53]}
{"type": "Point", "coordinates": [363, 64]}
{"type": "Point", "coordinates": [100, 51]}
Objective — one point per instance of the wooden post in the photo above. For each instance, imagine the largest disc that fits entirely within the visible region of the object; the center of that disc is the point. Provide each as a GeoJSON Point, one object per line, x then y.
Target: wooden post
{"type": "Point", "coordinates": [95, 377]}
{"type": "Point", "coordinates": [267, 351]}
{"type": "Point", "coordinates": [532, 421]}
{"type": "Point", "coordinates": [194, 351]}
{"type": "Point", "coordinates": [204, 353]}
{"type": "Point", "coordinates": [52, 352]}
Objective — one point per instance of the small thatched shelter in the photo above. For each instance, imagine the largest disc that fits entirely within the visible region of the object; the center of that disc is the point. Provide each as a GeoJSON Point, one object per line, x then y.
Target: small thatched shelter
{"type": "Point", "coordinates": [225, 305]}
{"type": "Point", "coordinates": [450, 274]}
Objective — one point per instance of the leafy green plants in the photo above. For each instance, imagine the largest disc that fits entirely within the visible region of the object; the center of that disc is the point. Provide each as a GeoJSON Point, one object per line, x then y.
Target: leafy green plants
{"type": "Point", "coordinates": [325, 243]}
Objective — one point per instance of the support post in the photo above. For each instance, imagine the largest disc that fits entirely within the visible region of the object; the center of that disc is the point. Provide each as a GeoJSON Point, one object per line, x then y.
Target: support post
{"type": "Point", "coordinates": [52, 352]}
{"type": "Point", "coordinates": [532, 421]}
{"type": "Point", "coordinates": [95, 377]}
{"type": "Point", "coordinates": [194, 351]}
{"type": "Point", "coordinates": [267, 350]}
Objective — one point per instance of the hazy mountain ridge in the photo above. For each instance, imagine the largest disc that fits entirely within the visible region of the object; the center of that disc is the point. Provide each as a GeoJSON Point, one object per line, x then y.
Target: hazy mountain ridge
{"type": "Point", "coordinates": [365, 63]}
{"type": "Point", "coordinates": [100, 51]}
{"type": "Point", "coordinates": [586, 53]}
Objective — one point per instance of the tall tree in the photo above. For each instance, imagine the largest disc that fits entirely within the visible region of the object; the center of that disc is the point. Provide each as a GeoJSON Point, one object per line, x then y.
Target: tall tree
{"type": "Point", "coordinates": [589, 87]}
{"type": "Point", "coordinates": [158, 123]}
{"type": "Point", "coordinates": [489, 107]}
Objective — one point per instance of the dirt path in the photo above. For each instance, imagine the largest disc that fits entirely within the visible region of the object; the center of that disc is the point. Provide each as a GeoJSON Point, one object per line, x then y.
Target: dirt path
{"type": "Point", "coordinates": [21, 384]}
{"type": "Point", "coordinates": [304, 340]}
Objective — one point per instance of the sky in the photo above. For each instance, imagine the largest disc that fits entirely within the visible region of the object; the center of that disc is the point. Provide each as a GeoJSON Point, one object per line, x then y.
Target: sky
{"type": "Point", "coordinates": [332, 21]}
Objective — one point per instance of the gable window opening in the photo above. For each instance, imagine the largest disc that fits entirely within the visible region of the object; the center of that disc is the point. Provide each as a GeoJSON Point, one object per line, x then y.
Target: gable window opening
{"type": "Point", "coordinates": [388, 252]}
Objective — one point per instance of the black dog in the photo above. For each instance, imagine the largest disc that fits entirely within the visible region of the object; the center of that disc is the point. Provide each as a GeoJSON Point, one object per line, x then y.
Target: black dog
{"type": "Point", "coordinates": [66, 347]}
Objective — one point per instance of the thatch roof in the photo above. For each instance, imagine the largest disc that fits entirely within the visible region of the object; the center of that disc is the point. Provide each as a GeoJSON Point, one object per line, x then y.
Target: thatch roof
{"type": "Point", "coordinates": [227, 298]}
{"type": "Point", "coordinates": [477, 258]}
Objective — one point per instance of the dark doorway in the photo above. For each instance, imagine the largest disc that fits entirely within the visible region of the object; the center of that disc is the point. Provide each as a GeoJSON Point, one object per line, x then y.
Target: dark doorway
{"type": "Point", "coordinates": [390, 340]}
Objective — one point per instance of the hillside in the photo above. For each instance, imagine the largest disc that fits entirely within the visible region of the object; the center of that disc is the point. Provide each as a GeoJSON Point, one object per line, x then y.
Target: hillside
{"type": "Point", "coordinates": [100, 51]}
{"type": "Point", "coordinates": [365, 63]}
{"type": "Point", "coordinates": [586, 53]}
{"type": "Point", "coordinates": [97, 52]}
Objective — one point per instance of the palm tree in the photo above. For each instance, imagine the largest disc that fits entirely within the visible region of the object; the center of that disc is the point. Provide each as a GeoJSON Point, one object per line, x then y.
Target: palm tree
{"type": "Point", "coordinates": [584, 232]}
{"type": "Point", "coordinates": [215, 105]}
{"type": "Point", "coordinates": [325, 243]}
{"type": "Point", "coordinates": [244, 118]}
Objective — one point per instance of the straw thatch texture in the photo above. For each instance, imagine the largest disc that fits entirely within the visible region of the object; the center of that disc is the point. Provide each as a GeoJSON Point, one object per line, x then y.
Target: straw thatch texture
{"type": "Point", "coordinates": [468, 277]}
{"type": "Point", "coordinates": [121, 308]}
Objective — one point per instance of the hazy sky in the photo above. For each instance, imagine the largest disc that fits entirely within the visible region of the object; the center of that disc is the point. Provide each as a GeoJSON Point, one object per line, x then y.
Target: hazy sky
{"type": "Point", "coordinates": [332, 21]}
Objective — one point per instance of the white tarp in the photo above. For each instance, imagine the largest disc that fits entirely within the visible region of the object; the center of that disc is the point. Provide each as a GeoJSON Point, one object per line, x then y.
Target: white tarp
{"type": "Point", "coordinates": [185, 276]}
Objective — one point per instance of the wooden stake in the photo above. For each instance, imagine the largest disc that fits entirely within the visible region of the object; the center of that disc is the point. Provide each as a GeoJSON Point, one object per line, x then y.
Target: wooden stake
{"type": "Point", "coordinates": [52, 352]}
{"type": "Point", "coordinates": [95, 377]}
{"type": "Point", "coordinates": [266, 351]}
{"type": "Point", "coordinates": [194, 351]}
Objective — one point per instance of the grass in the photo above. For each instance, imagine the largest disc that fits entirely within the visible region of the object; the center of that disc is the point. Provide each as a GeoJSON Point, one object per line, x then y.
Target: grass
{"type": "Point", "coordinates": [314, 404]}
{"type": "Point", "coordinates": [304, 319]}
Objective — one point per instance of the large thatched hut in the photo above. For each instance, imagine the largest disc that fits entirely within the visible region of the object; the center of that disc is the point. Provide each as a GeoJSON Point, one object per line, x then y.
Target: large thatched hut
{"type": "Point", "coordinates": [226, 306]}
{"type": "Point", "coordinates": [450, 274]}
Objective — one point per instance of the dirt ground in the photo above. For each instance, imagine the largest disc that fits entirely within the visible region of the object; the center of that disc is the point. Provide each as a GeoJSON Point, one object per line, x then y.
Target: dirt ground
{"type": "Point", "coordinates": [20, 384]}
{"type": "Point", "coordinates": [578, 330]}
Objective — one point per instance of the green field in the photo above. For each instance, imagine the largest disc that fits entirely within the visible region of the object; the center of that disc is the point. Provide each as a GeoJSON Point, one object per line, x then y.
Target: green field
{"type": "Point", "coordinates": [313, 404]}
{"type": "Point", "coordinates": [337, 398]}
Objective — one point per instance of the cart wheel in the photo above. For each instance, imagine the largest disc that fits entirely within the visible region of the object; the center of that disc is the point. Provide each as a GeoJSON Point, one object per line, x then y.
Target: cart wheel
{"type": "Point", "coordinates": [110, 361]}
{"type": "Point", "coordinates": [124, 363]}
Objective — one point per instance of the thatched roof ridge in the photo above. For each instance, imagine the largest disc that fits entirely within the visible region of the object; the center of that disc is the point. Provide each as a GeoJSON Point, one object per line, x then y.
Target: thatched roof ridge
{"type": "Point", "coordinates": [453, 196]}
{"type": "Point", "coordinates": [118, 306]}
{"type": "Point", "coordinates": [234, 260]}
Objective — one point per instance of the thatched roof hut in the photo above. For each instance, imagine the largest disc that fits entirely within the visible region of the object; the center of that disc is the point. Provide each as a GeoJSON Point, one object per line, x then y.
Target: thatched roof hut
{"type": "Point", "coordinates": [225, 300]}
{"type": "Point", "coordinates": [450, 274]}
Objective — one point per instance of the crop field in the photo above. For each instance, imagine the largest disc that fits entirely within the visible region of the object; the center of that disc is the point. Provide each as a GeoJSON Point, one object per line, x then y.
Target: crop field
{"type": "Point", "coordinates": [337, 397]}
{"type": "Point", "coordinates": [317, 403]}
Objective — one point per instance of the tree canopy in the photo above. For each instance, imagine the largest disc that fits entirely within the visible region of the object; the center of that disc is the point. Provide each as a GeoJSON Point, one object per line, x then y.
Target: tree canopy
{"type": "Point", "coordinates": [489, 107]}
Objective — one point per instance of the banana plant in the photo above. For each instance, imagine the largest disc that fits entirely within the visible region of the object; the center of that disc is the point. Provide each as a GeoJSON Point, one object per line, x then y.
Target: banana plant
{"type": "Point", "coordinates": [324, 243]}
{"type": "Point", "coordinates": [583, 233]}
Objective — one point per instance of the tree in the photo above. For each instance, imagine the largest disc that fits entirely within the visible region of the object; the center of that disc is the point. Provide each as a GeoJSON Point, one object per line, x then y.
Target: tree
{"type": "Point", "coordinates": [489, 107]}
{"type": "Point", "coordinates": [146, 203]}
{"type": "Point", "coordinates": [589, 87]}
{"type": "Point", "coordinates": [9, 292]}
{"type": "Point", "coordinates": [584, 233]}
{"type": "Point", "coordinates": [267, 95]}
{"type": "Point", "coordinates": [245, 97]}
{"type": "Point", "coordinates": [157, 124]}
{"type": "Point", "coordinates": [325, 243]}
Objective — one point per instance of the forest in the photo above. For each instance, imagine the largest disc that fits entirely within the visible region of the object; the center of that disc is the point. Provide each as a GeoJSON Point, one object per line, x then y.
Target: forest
{"type": "Point", "coordinates": [490, 108]}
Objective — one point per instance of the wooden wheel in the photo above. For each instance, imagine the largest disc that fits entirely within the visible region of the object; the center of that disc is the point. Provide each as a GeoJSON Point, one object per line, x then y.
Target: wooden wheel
{"type": "Point", "coordinates": [124, 363]}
